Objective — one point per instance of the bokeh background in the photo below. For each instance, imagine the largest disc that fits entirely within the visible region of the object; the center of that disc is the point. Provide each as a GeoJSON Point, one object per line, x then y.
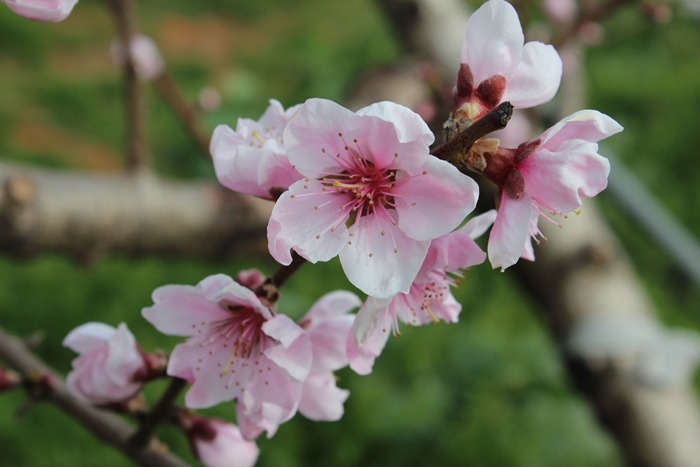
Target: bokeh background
{"type": "Point", "coordinates": [489, 390]}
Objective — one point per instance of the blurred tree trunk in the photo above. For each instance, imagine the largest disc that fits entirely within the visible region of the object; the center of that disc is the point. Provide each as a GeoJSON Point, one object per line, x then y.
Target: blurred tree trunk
{"type": "Point", "coordinates": [635, 374]}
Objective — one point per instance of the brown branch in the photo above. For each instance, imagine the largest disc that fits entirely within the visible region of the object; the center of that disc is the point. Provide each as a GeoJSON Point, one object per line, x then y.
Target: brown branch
{"type": "Point", "coordinates": [161, 411]}
{"type": "Point", "coordinates": [496, 119]}
{"type": "Point", "coordinates": [186, 113]}
{"type": "Point", "coordinates": [137, 157]}
{"type": "Point", "coordinates": [87, 215]}
{"type": "Point", "coordinates": [105, 426]}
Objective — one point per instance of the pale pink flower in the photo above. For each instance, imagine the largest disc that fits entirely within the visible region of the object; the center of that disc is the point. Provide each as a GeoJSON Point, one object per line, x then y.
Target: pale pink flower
{"type": "Point", "coordinates": [428, 300]}
{"type": "Point", "coordinates": [547, 176]}
{"type": "Point", "coordinates": [372, 193]}
{"type": "Point", "coordinates": [218, 443]}
{"type": "Point", "coordinates": [108, 365]}
{"type": "Point", "coordinates": [498, 66]}
{"type": "Point", "coordinates": [238, 349]}
{"type": "Point", "coordinates": [253, 159]}
{"type": "Point", "coordinates": [50, 11]}
{"type": "Point", "coordinates": [146, 58]}
{"type": "Point", "coordinates": [328, 324]}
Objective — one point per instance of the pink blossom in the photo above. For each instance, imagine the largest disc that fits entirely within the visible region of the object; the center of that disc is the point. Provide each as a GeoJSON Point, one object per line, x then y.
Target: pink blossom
{"type": "Point", "coordinates": [428, 300]}
{"type": "Point", "coordinates": [372, 193]}
{"type": "Point", "coordinates": [253, 159]}
{"type": "Point", "coordinates": [218, 443]}
{"type": "Point", "coordinates": [147, 61]}
{"type": "Point", "coordinates": [328, 324]}
{"type": "Point", "coordinates": [238, 349]}
{"type": "Point", "coordinates": [107, 367]}
{"type": "Point", "coordinates": [50, 11]}
{"type": "Point", "coordinates": [498, 66]}
{"type": "Point", "coordinates": [546, 176]}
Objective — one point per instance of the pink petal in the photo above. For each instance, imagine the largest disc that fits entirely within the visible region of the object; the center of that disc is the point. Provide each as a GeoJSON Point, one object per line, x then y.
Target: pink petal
{"type": "Point", "coordinates": [275, 118]}
{"type": "Point", "coordinates": [209, 387]}
{"type": "Point", "coordinates": [304, 218]}
{"type": "Point", "coordinates": [589, 125]}
{"type": "Point", "coordinates": [369, 335]}
{"type": "Point", "coordinates": [321, 399]}
{"type": "Point", "coordinates": [124, 358]}
{"type": "Point", "coordinates": [435, 201]}
{"type": "Point", "coordinates": [88, 336]}
{"type": "Point", "coordinates": [330, 305]}
{"type": "Point", "coordinates": [275, 170]}
{"type": "Point", "coordinates": [280, 247]}
{"type": "Point", "coordinates": [537, 77]}
{"type": "Point", "coordinates": [236, 164]}
{"type": "Point", "coordinates": [227, 449]}
{"type": "Point", "coordinates": [510, 231]}
{"type": "Point", "coordinates": [294, 352]}
{"type": "Point", "coordinates": [381, 265]}
{"type": "Point", "coordinates": [316, 126]}
{"type": "Point", "coordinates": [50, 11]}
{"type": "Point", "coordinates": [558, 181]}
{"type": "Point", "coordinates": [413, 137]}
{"type": "Point", "coordinates": [179, 309]}
{"type": "Point", "coordinates": [493, 41]}
{"type": "Point", "coordinates": [457, 250]}
{"type": "Point", "coordinates": [328, 343]}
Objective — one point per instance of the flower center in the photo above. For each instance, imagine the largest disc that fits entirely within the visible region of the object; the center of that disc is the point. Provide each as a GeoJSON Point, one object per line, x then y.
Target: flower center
{"type": "Point", "coordinates": [242, 330]}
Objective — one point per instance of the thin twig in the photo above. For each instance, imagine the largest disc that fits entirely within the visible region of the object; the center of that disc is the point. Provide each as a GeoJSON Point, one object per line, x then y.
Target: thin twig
{"type": "Point", "coordinates": [497, 119]}
{"type": "Point", "coordinates": [136, 150]}
{"type": "Point", "coordinates": [594, 13]}
{"type": "Point", "coordinates": [168, 89]}
{"type": "Point", "coordinates": [105, 426]}
{"type": "Point", "coordinates": [159, 413]}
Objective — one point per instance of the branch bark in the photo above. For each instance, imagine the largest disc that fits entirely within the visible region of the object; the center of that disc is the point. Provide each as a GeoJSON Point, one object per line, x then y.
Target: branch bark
{"type": "Point", "coordinates": [87, 215]}
{"type": "Point", "coordinates": [105, 426]}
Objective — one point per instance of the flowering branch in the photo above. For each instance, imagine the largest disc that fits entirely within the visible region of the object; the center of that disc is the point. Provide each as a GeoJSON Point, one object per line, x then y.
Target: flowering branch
{"type": "Point", "coordinates": [496, 119]}
{"type": "Point", "coordinates": [105, 426]}
{"type": "Point", "coordinates": [136, 149]}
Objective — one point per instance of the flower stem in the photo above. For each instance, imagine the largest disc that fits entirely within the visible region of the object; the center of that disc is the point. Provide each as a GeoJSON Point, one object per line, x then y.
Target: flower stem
{"type": "Point", "coordinates": [497, 119]}
{"type": "Point", "coordinates": [160, 412]}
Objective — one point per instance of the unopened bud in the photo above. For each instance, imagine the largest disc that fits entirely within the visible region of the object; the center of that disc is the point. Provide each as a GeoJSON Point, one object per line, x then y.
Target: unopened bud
{"type": "Point", "coordinates": [9, 379]}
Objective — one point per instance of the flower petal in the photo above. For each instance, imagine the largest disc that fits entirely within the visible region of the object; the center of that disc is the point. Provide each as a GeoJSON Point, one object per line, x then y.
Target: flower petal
{"type": "Point", "coordinates": [558, 181]}
{"type": "Point", "coordinates": [321, 399]}
{"type": "Point", "coordinates": [413, 136]}
{"type": "Point", "coordinates": [537, 77]}
{"type": "Point", "coordinates": [493, 41]}
{"type": "Point", "coordinates": [123, 358]}
{"type": "Point", "coordinates": [588, 125]}
{"type": "Point", "coordinates": [314, 127]}
{"type": "Point", "coordinates": [380, 259]}
{"type": "Point", "coordinates": [309, 219]}
{"type": "Point", "coordinates": [235, 163]}
{"type": "Point", "coordinates": [88, 336]}
{"type": "Point", "coordinates": [50, 11]}
{"type": "Point", "coordinates": [294, 352]}
{"type": "Point", "coordinates": [434, 202]}
{"type": "Point", "coordinates": [510, 231]}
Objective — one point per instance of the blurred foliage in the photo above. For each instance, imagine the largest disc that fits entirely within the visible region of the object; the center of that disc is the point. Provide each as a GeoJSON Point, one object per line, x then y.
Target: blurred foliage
{"type": "Point", "coordinates": [487, 391]}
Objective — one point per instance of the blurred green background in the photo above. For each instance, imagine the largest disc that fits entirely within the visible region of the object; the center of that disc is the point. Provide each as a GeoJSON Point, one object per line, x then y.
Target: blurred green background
{"type": "Point", "coordinates": [487, 391]}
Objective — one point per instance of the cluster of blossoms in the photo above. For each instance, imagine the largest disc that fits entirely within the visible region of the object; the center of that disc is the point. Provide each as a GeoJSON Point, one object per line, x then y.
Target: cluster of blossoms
{"type": "Point", "coordinates": [362, 186]}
